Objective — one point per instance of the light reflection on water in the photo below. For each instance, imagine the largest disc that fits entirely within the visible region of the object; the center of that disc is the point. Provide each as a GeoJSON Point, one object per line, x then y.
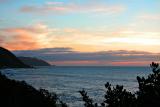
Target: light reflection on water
{"type": "Point", "coordinates": [67, 81]}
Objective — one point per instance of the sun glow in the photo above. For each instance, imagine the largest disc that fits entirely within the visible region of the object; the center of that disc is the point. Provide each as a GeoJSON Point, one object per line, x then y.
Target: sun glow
{"type": "Point", "coordinates": [136, 41]}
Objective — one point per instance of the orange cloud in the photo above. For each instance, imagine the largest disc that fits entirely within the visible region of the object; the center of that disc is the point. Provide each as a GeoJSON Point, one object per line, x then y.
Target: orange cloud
{"type": "Point", "coordinates": [21, 45]}
{"type": "Point", "coordinates": [20, 39]}
{"type": "Point", "coordinates": [41, 36]}
{"type": "Point", "coordinates": [24, 38]}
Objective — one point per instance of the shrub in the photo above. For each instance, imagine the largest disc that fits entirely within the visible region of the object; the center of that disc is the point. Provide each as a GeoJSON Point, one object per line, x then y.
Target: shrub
{"type": "Point", "coordinates": [148, 94]}
{"type": "Point", "coordinates": [88, 101]}
{"type": "Point", "coordinates": [118, 97]}
{"type": "Point", "coordinates": [149, 88]}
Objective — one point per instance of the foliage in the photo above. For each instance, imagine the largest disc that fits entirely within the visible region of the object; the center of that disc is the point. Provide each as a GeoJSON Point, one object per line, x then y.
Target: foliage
{"type": "Point", "coordinates": [149, 88]}
{"type": "Point", "coordinates": [148, 94]}
{"type": "Point", "coordinates": [88, 101]}
{"type": "Point", "coordinates": [118, 97]}
{"type": "Point", "coordinates": [20, 94]}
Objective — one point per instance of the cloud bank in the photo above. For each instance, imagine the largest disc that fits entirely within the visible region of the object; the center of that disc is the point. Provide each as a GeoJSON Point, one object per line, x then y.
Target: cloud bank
{"type": "Point", "coordinates": [67, 56]}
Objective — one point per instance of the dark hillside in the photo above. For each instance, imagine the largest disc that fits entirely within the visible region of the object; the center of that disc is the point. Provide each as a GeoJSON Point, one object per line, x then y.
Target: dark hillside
{"type": "Point", "coordinates": [9, 60]}
{"type": "Point", "coordinates": [20, 94]}
{"type": "Point", "coordinates": [33, 61]}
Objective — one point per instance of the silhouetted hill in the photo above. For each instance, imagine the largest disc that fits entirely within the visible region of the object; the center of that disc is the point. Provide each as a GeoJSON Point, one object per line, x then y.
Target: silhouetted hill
{"type": "Point", "coordinates": [20, 94]}
{"type": "Point", "coordinates": [9, 60]}
{"type": "Point", "coordinates": [33, 61]}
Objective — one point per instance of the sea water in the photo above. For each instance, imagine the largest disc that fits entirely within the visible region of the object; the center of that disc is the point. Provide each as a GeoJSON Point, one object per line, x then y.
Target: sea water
{"type": "Point", "coordinates": [67, 81]}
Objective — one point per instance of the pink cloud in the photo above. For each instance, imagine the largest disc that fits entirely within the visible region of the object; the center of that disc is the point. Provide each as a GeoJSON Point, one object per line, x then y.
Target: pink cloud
{"type": "Point", "coordinates": [131, 63]}
{"type": "Point", "coordinates": [60, 7]}
{"type": "Point", "coordinates": [28, 9]}
{"type": "Point", "coordinates": [54, 3]}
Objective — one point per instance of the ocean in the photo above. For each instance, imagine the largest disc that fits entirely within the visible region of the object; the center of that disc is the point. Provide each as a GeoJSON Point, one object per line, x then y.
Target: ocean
{"type": "Point", "coordinates": [67, 81]}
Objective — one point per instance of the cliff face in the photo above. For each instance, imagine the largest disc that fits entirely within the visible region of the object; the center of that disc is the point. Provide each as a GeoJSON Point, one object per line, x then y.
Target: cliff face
{"type": "Point", "coordinates": [9, 60]}
{"type": "Point", "coordinates": [33, 61]}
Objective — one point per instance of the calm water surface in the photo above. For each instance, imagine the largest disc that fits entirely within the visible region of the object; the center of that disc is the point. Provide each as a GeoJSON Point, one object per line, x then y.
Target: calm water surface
{"type": "Point", "coordinates": [67, 81]}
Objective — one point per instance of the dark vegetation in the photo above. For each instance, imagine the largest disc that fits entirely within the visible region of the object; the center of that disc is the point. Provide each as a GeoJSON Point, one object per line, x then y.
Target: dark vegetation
{"type": "Point", "coordinates": [33, 61]}
{"type": "Point", "coordinates": [9, 60]}
{"type": "Point", "coordinates": [148, 94]}
{"type": "Point", "coordinates": [20, 94]}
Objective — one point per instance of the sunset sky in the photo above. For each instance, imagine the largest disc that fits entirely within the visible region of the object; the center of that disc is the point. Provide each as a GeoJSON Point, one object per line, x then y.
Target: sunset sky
{"type": "Point", "coordinates": [82, 32]}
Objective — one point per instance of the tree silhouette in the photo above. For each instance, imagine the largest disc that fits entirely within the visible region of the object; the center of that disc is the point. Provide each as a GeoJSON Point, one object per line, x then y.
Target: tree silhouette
{"type": "Point", "coordinates": [149, 88]}
{"type": "Point", "coordinates": [118, 97]}
{"type": "Point", "coordinates": [148, 94]}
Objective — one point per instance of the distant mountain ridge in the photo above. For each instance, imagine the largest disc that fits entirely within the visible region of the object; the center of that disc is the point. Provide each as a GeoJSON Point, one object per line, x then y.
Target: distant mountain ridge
{"type": "Point", "coordinates": [33, 61]}
{"type": "Point", "coordinates": [9, 60]}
